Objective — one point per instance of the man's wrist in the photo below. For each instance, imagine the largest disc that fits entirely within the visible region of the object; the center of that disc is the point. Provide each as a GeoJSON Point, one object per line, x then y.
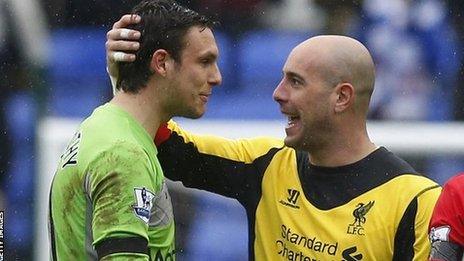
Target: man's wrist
{"type": "Point", "coordinates": [113, 79]}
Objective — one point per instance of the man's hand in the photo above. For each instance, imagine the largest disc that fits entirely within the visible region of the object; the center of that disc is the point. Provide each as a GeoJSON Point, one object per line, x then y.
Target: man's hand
{"type": "Point", "coordinates": [121, 40]}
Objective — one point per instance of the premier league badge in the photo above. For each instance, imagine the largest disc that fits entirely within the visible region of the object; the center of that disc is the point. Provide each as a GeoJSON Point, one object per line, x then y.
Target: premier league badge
{"type": "Point", "coordinates": [143, 203]}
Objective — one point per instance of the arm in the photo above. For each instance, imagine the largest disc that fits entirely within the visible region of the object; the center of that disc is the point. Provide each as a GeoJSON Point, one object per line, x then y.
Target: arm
{"type": "Point", "coordinates": [425, 204]}
{"type": "Point", "coordinates": [411, 241]}
{"type": "Point", "coordinates": [233, 168]}
{"type": "Point", "coordinates": [446, 226]}
{"type": "Point", "coordinates": [445, 251]}
{"type": "Point", "coordinates": [120, 213]}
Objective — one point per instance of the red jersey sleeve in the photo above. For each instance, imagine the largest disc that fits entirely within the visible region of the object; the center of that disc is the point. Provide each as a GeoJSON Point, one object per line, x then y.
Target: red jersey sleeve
{"type": "Point", "coordinates": [447, 223]}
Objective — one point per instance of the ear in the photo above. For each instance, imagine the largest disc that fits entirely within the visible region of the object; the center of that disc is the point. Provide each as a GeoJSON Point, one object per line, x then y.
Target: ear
{"type": "Point", "coordinates": [161, 62]}
{"type": "Point", "coordinates": [345, 97]}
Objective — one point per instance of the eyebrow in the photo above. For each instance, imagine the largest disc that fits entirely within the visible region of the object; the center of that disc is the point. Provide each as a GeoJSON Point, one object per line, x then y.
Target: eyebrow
{"type": "Point", "coordinates": [209, 55]}
{"type": "Point", "coordinates": [295, 75]}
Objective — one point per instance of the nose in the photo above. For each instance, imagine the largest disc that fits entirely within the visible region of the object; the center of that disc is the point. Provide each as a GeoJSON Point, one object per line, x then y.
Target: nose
{"type": "Point", "coordinates": [215, 77]}
{"type": "Point", "coordinates": [279, 94]}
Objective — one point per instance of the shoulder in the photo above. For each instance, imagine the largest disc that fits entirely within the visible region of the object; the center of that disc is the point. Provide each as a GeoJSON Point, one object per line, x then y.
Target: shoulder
{"type": "Point", "coordinates": [391, 163]}
{"type": "Point", "coordinates": [414, 185]}
{"type": "Point", "coordinates": [401, 177]}
{"type": "Point", "coordinates": [455, 184]}
{"type": "Point", "coordinates": [119, 155]}
{"type": "Point", "coordinates": [243, 150]}
{"type": "Point", "coordinates": [123, 150]}
{"type": "Point", "coordinates": [121, 163]}
{"type": "Point", "coordinates": [452, 195]}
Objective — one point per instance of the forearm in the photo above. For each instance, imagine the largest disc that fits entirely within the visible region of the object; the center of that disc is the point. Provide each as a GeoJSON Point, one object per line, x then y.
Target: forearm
{"type": "Point", "coordinates": [445, 251]}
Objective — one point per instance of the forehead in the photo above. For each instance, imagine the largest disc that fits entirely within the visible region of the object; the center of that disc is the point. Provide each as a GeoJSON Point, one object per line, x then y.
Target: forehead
{"type": "Point", "coordinates": [308, 62]}
{"type": "Point", "coordinates": [298, 62]}
{"type": "Point", "coordinates": [198, 41]}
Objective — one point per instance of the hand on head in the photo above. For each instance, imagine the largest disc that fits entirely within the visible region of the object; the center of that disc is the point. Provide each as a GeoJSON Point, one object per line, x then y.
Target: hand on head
{"type": "Point", "coordinates": [121, 43]}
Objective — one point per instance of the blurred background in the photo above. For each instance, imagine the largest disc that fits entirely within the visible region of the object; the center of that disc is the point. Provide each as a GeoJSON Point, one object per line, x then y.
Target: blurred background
{"type": "Point", "coordinates": [52, 75]}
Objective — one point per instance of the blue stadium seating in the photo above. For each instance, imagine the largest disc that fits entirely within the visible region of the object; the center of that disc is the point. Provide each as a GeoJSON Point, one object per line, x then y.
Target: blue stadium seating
{"type": "Point", "coordinates": [21, 115]}
{"type": "Point", "coordinates": [227, 63]}
{"type": "Point", "coordinates": [209, 235]}
{"type": "Point", "coordinates": [77, 71]}
{"type": "Point", "coordinates": [260, 56]}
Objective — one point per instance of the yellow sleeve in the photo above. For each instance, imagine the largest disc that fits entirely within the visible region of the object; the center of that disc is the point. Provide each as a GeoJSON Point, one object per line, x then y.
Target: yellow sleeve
{"type": "Point", "coordinates": [242, 150]}
{"type": "Point", "coordinates": [232, 168]}
{"type": "Point", "coordinates": [425, 204]}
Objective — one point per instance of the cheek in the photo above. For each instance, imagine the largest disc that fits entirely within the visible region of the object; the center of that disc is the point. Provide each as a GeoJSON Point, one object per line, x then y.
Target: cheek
{"type": "Point", "coordinates": [314, 109]}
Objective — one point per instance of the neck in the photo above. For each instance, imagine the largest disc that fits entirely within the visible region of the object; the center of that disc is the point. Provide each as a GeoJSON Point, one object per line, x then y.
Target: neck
{"type": "Point", "coordinates": [343, 149]}
{"type": "Point", "coordinates": [143, 107]}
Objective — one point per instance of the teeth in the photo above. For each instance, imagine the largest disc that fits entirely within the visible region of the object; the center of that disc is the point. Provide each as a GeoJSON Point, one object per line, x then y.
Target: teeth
{"type": "Point", "coordinates": [290, 122]}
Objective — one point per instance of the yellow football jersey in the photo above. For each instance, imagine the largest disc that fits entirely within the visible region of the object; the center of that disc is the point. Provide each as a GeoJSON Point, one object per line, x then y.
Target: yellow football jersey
{"type": "Point", "coordinates": [375, 209]}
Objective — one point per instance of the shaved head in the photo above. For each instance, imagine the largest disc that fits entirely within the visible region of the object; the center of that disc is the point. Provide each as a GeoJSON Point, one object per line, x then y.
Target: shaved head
{"type": "Point", "coordinates": [325, 91]}
{"type": "Point", "coordinates": [340, 59]}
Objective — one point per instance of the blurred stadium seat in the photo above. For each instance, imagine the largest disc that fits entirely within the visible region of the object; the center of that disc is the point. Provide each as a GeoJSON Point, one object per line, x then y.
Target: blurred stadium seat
{"type": "Point", "coordinates": [263, 54]}
{"type": "Point", "coordinates": [227, 63]}
{"type": "Point", "coordinates": [260, 56]}
{"type": "Point", "coordinates": [208, 232]}
{"type": "Point", "coordinates": [78, 80]}
{"type": "Point", "coordinates": [21, 113]}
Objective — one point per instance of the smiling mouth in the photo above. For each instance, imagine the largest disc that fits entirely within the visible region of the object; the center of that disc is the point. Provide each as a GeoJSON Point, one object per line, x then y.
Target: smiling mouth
{"type": "Point", "coordinates": [291, 120]}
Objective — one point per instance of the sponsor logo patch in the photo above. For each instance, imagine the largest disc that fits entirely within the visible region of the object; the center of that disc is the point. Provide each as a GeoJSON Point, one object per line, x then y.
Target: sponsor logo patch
{"type": "Point", "coordinates": [440, 233]}
{"type": "Point", "coordinates": [143, 203]}
{"type": "Point", "coordinates": [350, 254]}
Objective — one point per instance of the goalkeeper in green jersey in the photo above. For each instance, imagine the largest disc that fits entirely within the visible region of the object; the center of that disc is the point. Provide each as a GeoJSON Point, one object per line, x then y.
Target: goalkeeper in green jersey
{"type": "Point", "coordinates": [108, 199]}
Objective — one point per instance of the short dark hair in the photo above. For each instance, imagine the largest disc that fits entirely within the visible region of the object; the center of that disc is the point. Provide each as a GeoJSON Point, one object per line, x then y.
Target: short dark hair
{"type": "Point", "coordinates": [164, 25]}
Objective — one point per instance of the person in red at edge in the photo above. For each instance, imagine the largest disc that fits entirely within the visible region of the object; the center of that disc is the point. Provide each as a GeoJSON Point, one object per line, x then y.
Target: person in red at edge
{"type": "Point", "coordinates": [447, 223]}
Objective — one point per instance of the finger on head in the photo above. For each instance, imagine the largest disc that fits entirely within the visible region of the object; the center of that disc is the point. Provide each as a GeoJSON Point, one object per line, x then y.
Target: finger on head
{"type": "Point", "coordinates": [118, 46]}
{"type": "Point", "coordinates": [122, 57]}
{"type": "Point", "coordinates": [126, 20]}
{"type": "Point", "coordinates": [128, 34]}
{"type": "Point", "coordinates": [122, 34]}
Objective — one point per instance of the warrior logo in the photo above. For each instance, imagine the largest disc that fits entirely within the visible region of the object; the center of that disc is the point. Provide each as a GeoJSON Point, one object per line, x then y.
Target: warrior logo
{"type": "Point", "coordinates": [292, 199]}
{"type": "Point", "coordinates": [356, 228]}
{"type": "Point", "coordinates": [293, 195]}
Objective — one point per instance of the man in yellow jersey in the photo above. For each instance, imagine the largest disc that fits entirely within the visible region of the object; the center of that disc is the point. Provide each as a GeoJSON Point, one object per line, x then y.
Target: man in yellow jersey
{"type": "Point", "coordinates": [326, 192]}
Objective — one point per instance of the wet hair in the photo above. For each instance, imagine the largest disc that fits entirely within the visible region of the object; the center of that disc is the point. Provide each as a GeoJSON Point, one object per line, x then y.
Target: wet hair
{"type": "Point", "coordinates": [164, 25]}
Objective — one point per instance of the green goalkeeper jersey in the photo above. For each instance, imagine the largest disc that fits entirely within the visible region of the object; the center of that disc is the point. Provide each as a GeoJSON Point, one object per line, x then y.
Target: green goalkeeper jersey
{"type": "Point", "coordinates": [108, 199]}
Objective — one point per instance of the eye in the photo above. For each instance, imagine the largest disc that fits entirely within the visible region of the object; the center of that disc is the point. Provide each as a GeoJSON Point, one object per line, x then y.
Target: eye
{"type": "Point", "coordinates": [295, 82]}
{"type": "Point", "coordinates": [206, 61]}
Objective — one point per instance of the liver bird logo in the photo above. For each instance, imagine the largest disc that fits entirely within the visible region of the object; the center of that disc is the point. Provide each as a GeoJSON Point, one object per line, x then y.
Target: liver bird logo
{"type": "Point", "coordinates": [360, 212]}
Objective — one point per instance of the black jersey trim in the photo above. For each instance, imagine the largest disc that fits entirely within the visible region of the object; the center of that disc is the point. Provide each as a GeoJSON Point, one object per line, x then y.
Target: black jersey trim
{"type": "Point", "coordinates": [350, 181]}
{"type": "Point", "coordinates": [261, 163]}
{"type": "Point", "coordinates": [427, 189]}
{"type": "Point", "coordinates": [237, 179]}
{"type": "Point", "coordinates": [405, 234]}
{"type": "Point", "coordinates": [52, 226]}
{"type": "Point", "coordinates": [110, 246]}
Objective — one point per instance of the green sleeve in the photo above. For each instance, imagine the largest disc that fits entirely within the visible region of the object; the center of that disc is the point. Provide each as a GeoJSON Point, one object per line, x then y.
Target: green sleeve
{"type": "Point", "coordinates": [121, 186]}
